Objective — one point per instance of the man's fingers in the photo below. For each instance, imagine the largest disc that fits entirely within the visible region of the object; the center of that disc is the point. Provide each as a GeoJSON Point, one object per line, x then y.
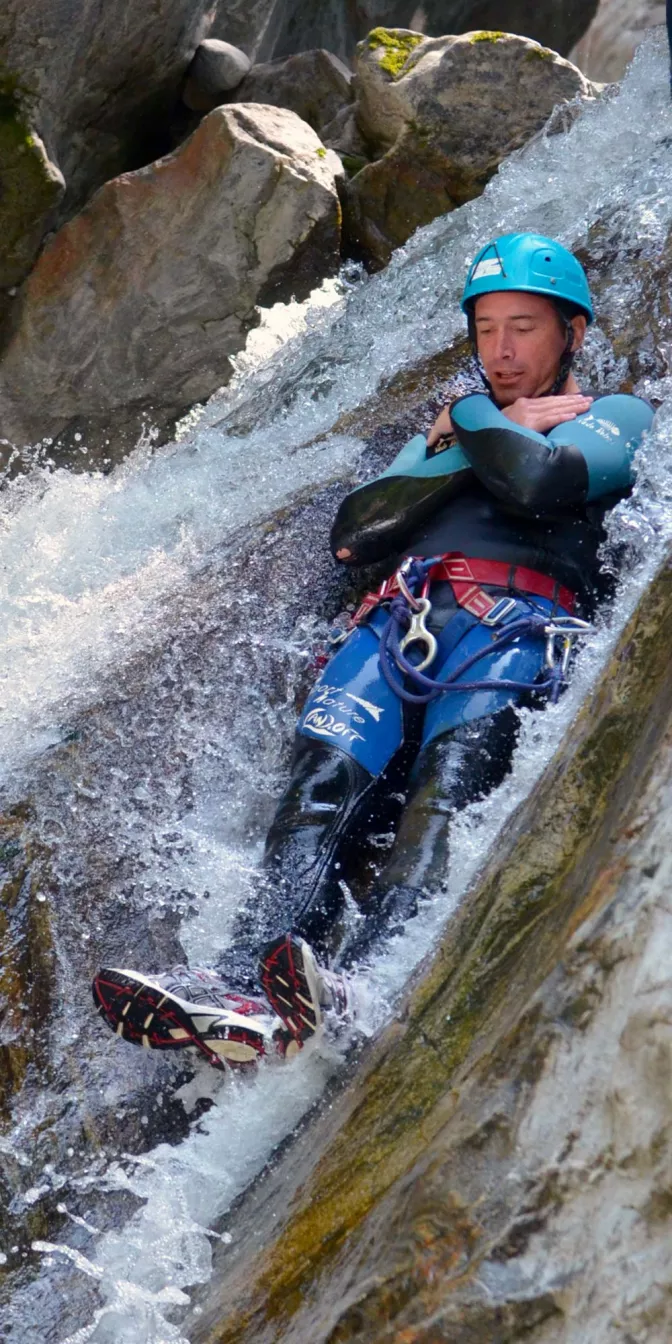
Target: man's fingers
{"type": "Point", "coordinates": [552, 418]}
{"type": "Point", "coordinates": [573, 399]}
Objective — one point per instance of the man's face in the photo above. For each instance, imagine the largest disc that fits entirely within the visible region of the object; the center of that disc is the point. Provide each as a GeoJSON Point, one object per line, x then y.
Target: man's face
{"type": "Point", "coordinates": [521, 339]}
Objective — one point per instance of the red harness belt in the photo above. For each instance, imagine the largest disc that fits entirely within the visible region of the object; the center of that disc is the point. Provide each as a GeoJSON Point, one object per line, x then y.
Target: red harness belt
{"type": "Point", "coordinates": [464, 576]}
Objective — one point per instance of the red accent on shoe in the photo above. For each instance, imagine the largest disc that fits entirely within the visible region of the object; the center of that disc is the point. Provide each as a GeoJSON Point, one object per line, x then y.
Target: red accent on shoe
{"type": "Point", "coordinates": [128, 1003]}
{"type": "Point", "coordinates": [285, 984]}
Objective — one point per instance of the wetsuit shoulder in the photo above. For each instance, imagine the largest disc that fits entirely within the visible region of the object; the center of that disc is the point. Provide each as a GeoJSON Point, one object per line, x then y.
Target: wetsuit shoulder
{"type": "Point", "coordinates": [575, 463]}
{"type": "Point", "coordinates": [374, 518]}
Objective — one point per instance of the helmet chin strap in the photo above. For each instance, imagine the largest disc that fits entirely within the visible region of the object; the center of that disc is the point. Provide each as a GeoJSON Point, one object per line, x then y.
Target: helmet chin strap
{"type": "Point", "coordinates": [564, 367]}
{"type": "Point", "coordinates": [566, 361]}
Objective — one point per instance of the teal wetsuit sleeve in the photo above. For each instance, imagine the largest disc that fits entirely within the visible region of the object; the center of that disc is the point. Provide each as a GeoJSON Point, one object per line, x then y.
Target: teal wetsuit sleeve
{"type": "Point", "coordinates": [608, 436]}
{"type": "Point", "coordinates": [373, 520]}
{"type": "Point", "coordinates": [575, 463]}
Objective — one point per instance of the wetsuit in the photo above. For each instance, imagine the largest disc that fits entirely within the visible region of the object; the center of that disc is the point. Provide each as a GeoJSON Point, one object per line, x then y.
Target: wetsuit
{"type": "Point", "coordinates": [501, 493]}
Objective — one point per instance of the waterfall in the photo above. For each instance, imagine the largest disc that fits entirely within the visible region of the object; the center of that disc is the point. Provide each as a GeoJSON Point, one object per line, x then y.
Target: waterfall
{"type": "Point", "coordinates": [97, 571]}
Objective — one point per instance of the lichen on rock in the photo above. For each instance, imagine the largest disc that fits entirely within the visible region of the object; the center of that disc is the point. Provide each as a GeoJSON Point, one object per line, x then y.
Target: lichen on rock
{"type": "Point", "coordinates": [486, 35]}
{"type": "Point", "coordinates": [397, 45]}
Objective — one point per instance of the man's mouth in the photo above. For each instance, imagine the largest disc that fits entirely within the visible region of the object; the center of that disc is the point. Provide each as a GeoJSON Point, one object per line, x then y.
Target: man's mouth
{"type": "Point", "coordinates": [508, 376]}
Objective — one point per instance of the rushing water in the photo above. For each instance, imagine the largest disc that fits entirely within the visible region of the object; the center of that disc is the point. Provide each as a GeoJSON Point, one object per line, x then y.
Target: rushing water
{"type": "Point", "coordinates": [91, 564]}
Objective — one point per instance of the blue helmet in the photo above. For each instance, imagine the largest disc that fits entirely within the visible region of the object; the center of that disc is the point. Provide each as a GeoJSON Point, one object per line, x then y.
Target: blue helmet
{"type": "Point", "coordinates": [530, 263]}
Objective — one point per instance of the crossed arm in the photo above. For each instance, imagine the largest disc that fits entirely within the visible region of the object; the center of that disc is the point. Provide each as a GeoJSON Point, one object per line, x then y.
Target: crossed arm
{"type": "Point", "coordinates": [581, 459]}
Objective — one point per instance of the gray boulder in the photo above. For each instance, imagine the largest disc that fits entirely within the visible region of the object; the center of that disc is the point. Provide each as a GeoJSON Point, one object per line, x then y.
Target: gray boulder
{"type": "Point", "coordinates": [216, 68]}
{"type": "Point", "coordinates": [338, 25]}
{"type": "Point", "coordinates": [136, 306]}
{"type": "Point", "coordinates": [443, 112]}
{"type": "Point", "coordinates": [314, 84]}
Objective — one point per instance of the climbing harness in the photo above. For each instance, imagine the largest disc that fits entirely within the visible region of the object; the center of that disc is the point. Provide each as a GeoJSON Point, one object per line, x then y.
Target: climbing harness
{"type": "Point", "coordinates": [406, 631]}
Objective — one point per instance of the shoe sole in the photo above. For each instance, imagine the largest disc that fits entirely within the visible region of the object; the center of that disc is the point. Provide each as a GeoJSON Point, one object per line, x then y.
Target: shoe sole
{"type": "Point", "coordinates": [146, 1014]}
{"type": "Point", "coordinates": [289, 979]}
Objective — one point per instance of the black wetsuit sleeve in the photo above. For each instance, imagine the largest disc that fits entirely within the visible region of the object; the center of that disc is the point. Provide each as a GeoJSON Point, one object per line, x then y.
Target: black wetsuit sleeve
{"type": "Point", "coordinates": [518, 465]}
{"type": "Point", "coordinates": [374, 519]}
{"type": "Point", "coordinates": [575, 463]}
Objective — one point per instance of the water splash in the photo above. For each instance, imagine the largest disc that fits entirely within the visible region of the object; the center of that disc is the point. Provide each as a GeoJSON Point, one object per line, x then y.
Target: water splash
{"type": "Point", "coordinates": [89, 561]}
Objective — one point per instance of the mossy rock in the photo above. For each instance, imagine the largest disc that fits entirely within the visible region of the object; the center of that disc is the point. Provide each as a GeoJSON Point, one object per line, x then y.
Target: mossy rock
{"type": "Point", "coordinates": [541, 54]}
{"type": "Point", "coordinates": [437, 126]}
{"type": "Point", "coordinates": [31, 186]}
{"type": "Point", "coordinates": [486, 36]}
{"type": "Point", "coordinates": [398, 44]}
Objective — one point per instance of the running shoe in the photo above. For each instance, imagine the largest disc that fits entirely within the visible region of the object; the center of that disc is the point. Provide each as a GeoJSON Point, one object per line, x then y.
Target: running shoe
{"type": "Point", "coordinates": [301, 991]}
{"type": "Point", "coordinates": [187, 1007]}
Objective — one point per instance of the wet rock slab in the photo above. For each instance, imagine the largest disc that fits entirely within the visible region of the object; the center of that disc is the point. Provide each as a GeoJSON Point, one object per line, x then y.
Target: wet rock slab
{"type": "Point", "coordinates": [500, 1166]}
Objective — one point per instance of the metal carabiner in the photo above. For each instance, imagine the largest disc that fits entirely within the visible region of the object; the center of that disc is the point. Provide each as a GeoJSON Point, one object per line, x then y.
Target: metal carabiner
{"type": "Point", "coordinates": [568, 629]}
{"type": "Point", "coordinates": [418, 633]}
{"type": "Point", "coordinates": [414, 602]}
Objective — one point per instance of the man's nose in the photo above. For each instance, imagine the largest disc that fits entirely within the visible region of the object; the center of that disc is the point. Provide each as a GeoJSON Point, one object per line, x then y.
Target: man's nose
{"type": "Point", "coordinates": [504, 344]}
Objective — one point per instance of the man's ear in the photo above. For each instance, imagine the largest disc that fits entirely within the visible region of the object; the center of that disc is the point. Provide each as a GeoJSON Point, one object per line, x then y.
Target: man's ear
{"type": "Point", "coordinates": [579, 324]}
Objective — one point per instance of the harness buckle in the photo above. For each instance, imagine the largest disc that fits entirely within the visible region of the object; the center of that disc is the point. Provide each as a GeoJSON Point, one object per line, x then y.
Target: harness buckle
{"type": "Point", "coordinates": [418, 633]}
{"type": "Point", "coordinates": [501, 609]}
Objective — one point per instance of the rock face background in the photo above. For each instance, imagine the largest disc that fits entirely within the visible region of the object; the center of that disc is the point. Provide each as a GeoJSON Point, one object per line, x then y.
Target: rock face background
{"type": "Point", "coordinates": [141, 299]}
{"type": "Point", "coordinates": [613, 36]}
{"type": "Point", "coordinates": [87, 92]}
{"type": "Point", "coordinates": [288, 26]}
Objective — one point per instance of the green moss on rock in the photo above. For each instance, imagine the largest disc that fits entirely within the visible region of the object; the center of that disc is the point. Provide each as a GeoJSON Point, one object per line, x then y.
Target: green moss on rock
{"type": "Point", "coordinates": [398, 47]}
{"type": "Point", "coordinates": [540, 54]}
{"type": "Point", "coordinates": [486, 35]}
{"type": "Point", "coordinates": [31, 185]}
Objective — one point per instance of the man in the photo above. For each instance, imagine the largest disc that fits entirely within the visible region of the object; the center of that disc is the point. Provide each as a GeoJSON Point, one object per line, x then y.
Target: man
{"type": "Point", "coordinates": [497, 516]}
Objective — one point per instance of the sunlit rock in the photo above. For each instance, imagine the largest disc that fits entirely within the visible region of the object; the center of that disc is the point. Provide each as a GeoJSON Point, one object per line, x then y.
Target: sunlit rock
{"type": "Point", "coordinates": [136, 305]}
{"type": "Point", "coordinates": [443, 113]}
{"type": "Point", "coordinates": [614, 35]}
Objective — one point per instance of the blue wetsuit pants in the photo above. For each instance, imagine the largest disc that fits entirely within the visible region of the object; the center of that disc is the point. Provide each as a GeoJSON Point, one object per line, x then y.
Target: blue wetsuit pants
{"type": "Point", "coordinates": [365, 767]}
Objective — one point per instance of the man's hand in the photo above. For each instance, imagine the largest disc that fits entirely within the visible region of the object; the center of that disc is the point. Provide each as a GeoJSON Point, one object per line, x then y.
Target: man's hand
{"type": "Point", "coordinates": [442, 425]}
{"type": "Point", "coordinates": [542, 413]}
